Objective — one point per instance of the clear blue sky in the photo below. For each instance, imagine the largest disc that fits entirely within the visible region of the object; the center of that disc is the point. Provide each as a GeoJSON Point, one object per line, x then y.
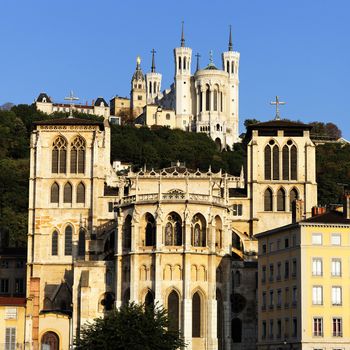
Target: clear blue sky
{"type": "Point", "coordinates": [299, 50]}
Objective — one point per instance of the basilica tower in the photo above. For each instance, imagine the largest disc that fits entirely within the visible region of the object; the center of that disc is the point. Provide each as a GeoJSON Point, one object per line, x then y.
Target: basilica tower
{"type": "Point", "coordinates": [230, 62]}
{"type": "Point", "coordinates": [138, 90]}
{"type": "Point", "coordinates": [182, 56]}
{"type": "Point", "coordinates": [153, 81]}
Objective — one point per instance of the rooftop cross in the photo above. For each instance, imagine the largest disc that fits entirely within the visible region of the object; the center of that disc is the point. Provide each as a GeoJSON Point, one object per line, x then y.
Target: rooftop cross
{"type": "Point", "coordinates": [71, 98]}
{"type": "Point", "coordinates": [198, 56]}
{"type": "Point", "coordinates": [277, 102]}
{"type": "Point", "coordinates": [153, 68]}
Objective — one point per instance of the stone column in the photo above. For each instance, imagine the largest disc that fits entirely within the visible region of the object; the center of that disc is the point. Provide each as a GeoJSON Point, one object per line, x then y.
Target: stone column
{"type": "Point", "coordinates": [212, 304]}
{"type": "Point", "coordinates": [157, 265]}
{"type": "Point", "coordinates": [134, 264]}
{"type": "Point", "coordinates": [118, 263]}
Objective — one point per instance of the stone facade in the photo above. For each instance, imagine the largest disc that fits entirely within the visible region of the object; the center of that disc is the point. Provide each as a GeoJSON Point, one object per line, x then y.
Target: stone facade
{"type": "Point", "coordinates": [179, 237]}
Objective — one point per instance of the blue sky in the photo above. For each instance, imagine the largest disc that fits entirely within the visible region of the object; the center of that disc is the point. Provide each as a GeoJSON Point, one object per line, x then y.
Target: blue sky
{"type": "Point", "coordinates": [296, 49]}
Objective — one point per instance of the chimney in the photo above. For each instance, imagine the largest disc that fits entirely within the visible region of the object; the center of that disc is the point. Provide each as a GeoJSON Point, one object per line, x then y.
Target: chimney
{"type": "Point", "coordinates": [297, 210]}
{"type": "Point", "coordinates": [318, 211]}
{"type": "Point", "coordinates": [346, 206]}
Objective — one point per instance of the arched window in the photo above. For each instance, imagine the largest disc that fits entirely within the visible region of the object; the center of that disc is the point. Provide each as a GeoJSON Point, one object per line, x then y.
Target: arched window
{"type": "Point", "coordinates": [150, 230]}
{"type": "Point", "coordinates": [55, 193]}
{"type": "Point", "coordinates": [54, 243]}
{"type": "Point", "coordinates": [180, 63]}
{"type": "Point", "coordinates": [154, 87]}
{"type": "Point", "coordinates": [293, 195]}
{"type": "Point", "coordinates": [215, 100]}
{"type": "Point", "coordinates": [127, 233]}
{"type": "Point", "coordinates": [276, 163]}
{"type": "Point", "coordinates": [68, 236]}
{"type": "Point", "coordinates": [51, 340]}
{"type": "Point", "coordinates": [285, 162]}
{"type": "Point", "coordinates": [218, 232]}
{"type": "Point", "coordinates": [81, 243]}
{"type": "Point", "coordinates": [196, 315]}
{"type": "Point", "coordinates": [228, 67]}
{"type": "Point", "coordinates": [67, 193]}
{"type": "Point", "coordinates": [149, 299]}
{"type": "Point", "coordinates": [268, 200]}
{"type": "Point", "coordinates": [173, 311]}
{"type": "Point", "coordinates": [150, 87]}
{"type": "Point", "coordinates": [59, 156]}
{"type": "Point", "coordinates": [200, 100]}
{"type": "Point", "coordinates": [281, 200]}
{"type": "Point", "coordinates": [207, 99]}
{"type": "Point", "coordinates": [81, 193]}
{"type": "Point", "coordinates": [221, 102]}
{"type": "Point", "coordinates": [236, 330]}
{"type": "Point", "coordinates": [185, 62]}
{"type": "Point", "coordinates": [77, 156]}
{"type": "Point", "coordinates": [199, 231]}
{"type": "Point", "coordinates": [267, 153]}
{"type": "Point", "coordinates": [173, 230]}
{"type": "Point", "coordinates": [293, 163]}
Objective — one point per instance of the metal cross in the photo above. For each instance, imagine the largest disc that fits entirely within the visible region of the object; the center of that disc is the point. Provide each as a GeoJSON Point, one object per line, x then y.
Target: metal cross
{"type": "Point", "coordinates": [198, 56]}
{"type": "Point", "coordinates": [211, 56]}
{"type": "Point", "coordinates": [277, 102]}
{"type": "Point", "coordinates": [71, 98]}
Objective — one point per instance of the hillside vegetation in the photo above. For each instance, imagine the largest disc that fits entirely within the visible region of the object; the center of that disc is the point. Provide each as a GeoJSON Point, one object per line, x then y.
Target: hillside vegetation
{"type": "Point", "coordinates": [156, 148]}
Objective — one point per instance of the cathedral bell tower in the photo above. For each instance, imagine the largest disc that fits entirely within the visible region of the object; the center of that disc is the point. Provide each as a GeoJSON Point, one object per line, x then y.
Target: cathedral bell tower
{"type": "Point", "coordinates": [138, 90]}
{"type": "Point", "coordinates": [182, 56]}
{"type": "Point", "coordinates": [230, 63]}
{"type": "Point", "coordinates": [153, 81]}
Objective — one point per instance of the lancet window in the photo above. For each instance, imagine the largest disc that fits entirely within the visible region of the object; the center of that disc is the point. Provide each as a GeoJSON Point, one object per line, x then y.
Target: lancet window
{"type": "Point", "coordinates": [173, 230]}
{"type": "Point", "coordinates": [59, 156]}
{"type": "Point", "coordinates": [198, 231]}
{"type": "Point", "coordinates": [77, 156]}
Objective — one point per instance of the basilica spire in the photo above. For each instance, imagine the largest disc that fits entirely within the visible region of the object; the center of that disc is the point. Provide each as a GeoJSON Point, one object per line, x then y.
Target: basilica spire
{"type": "Point", "coordinates": [198, 56]}
{"type": "Point", "coordinates": [230, 48]}
{"type": "Point", "coordinates": [153, 67]}
{"type": "Point", "coordinates": [182, 35]}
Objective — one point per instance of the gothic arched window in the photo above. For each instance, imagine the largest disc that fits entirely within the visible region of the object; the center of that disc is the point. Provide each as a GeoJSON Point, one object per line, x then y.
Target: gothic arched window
{"type": "Point", "coordinates": [81, 243]}
{"type": "Point", "coordinates": [54, 243]}
{"type": "Point", "coordinates": [218, 232]}
{"type": "Point", "coordinates": [51, 340]}
{"type": "Point", "coordinates": [77, 156]}
{"type": "Point", "coordinates": [59, 156]}
{"type": "Point", "coordinates": [173, 311]}
{"type": "Point", "coordinates": [207, 98]}
{"type": "Point", "coordinates": [81, 193]}
{"type": "Point", "coordinates": [180, 63]}
{"type": "Point", "coordinates": [281, 200]}
{"type": "Point", "coordinates": [127, 233]}
{"type": "Point", "coordinates": [150, 230]}
{"type": "Point", "coordinates": [268, 200]}
{"type": "Point", "coordinates": [267, 168]}
{"type": "Point", "coordinates": [199, 231]}
{"type": "Point", "coordinates": [150, 87]}
{"type": "Point", "coordinates": [173, 230]}
{"type": "Point", "coordinates": [236, 330]}
{"type": "Point", "coordinates": [55, 193]}
{"type": "Point", "coordinates": [293, 195]}
{"type": "Point", "coordinates": [196, 315]}
{"type": "Point", "coordinates": [293, 163]}
{"type": "Point", "coordinates": [228, 67]}
{"type": "Point", "coordinates": [215, 100]}
{"type": "Point", "coordinates": [276, 163]}
{"type": "Point", "coordinates": [185, 63]}
{"type": "Point", "coordinates": [285, 162]}
{"type": "Point", "coordinates": [149, 299]}
{"type": "Point", "coordinates": [154, 87]}
{"type": "Point", "coordinates": [67, 193]}
{"type": "Point", "coordinates": [68, 236]}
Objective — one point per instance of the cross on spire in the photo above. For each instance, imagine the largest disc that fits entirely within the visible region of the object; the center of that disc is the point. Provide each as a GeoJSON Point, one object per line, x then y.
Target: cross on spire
{"type": "Point", "coordinates": [182, 35]}
{"type": "Point", "coordinates": [198, 56]}
{"type": "Point", "coordinates": [230, 47]}
{"type": "Point", "coordinates": [277, 102]}
{"type": "Point", "coordinates": [153, 68]}
{"type": "Point", "coordinates": [71, 98]}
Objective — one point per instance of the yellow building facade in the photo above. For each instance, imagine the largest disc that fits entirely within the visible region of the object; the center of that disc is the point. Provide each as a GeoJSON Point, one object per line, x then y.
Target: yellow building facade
{"type": "Point", "coordinates": [304, 286]}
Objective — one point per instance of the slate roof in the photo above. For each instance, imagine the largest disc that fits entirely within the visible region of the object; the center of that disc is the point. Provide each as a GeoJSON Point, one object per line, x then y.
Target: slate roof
{"type": "Point", "coordinates": [99, 101]}
{"type": "Point", "coordinates": [41, 97]}
{"type": "Point", "coordinates": [279, 124]}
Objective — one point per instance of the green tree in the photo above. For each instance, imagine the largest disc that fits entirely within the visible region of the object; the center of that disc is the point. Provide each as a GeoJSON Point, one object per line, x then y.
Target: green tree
{"type": "Point", "coordinates": [133, 327]}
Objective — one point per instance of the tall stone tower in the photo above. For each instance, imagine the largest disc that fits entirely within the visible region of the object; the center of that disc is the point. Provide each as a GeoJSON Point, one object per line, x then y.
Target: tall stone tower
{"type": "Point", "coordinates": [182, 56]}
{"type": "Point", "coordinates": [230, 62]}
{"type": "Point", "coordinates": [153, 81]}
{"type": "Point", "coordinates": [138, 90]}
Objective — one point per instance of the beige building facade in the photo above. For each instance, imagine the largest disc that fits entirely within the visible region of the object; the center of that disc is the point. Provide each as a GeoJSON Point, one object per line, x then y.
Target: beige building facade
{"type": "Point", "coordinates": [304, 285]}
{"type": "Point", "coordinates": [179, 237]}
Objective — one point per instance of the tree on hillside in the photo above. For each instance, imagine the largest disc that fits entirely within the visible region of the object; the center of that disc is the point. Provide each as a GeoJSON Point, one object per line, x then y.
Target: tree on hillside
{"type": "Point", "coordinates": [325, 130]}
{"type": "Point", "coordinates": [133, 327]}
